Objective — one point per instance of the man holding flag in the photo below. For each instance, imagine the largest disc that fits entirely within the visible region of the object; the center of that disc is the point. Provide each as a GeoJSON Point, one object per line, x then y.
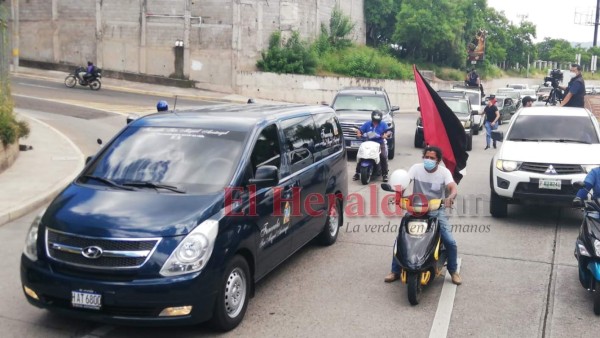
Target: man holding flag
{"type": "Point", "coordinates": [442, 128]}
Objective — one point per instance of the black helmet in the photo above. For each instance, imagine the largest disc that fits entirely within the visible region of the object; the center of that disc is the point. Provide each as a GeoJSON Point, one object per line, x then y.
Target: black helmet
{"type": "Point", "coordinates": [90, 63]}
{"type": "Point", "coordinates": [376, 115]}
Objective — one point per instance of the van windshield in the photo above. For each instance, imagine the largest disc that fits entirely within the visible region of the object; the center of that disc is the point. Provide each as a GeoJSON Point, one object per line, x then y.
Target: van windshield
{"type": "Point", "coordinates": [192, 159]}
{"type": "Point", "coordinates": [548, 128]}
{"type": "Point", "coordinates": [360, 102]}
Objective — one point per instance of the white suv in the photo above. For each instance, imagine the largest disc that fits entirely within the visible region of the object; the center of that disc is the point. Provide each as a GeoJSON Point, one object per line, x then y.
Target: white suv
{"type": "Point", "coordinates": [544, 151]}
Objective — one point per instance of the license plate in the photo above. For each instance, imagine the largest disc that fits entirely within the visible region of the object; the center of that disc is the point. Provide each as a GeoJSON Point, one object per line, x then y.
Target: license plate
{"type": "Point", "coordinates": [86, 300]}
{"type": "Point", "coordinates": [355, 144]}
{"type": "Point", "coordinates": [549, 184]}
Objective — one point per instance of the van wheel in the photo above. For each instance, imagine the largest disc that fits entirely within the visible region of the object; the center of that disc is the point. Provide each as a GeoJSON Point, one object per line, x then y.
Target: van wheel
{"type": "Point", "coordinates": [391, 150]}
{"type": "Point", "coordinates": [498, 205]}
{"type": "Point", "coordinates": [332, 225]}
{"type": "Point", "coordinates": [476, 130]}
{"type": "Point", "coordinates": [470, 142]}
{"type": "Point", "coordinates": [232, 298]}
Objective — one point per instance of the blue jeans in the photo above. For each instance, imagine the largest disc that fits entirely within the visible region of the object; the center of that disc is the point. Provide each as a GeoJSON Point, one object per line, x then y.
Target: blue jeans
{"type": "Point", "coordinates": [447, 239]}
{"type": "Point", "coordinates": [488, 129]}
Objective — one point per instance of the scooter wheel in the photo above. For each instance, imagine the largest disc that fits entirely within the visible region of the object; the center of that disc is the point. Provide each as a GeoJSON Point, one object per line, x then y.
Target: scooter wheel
{"type": "Point", "coordinates": [414, 288]}
{"type": "Point", "coordinates": [365, 175]}
{"type": "Point", "coordinates": [70, 81]}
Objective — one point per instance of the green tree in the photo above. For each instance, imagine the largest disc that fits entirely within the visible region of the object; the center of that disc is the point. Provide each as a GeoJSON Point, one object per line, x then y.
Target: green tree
{"type": "Point", "coordinates": [380, 19]}
{"type": "Point", "coordinates": [293, 56]}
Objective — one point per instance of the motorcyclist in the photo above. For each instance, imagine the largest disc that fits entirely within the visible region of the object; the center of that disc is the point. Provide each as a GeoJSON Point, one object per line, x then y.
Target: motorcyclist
{"type": "Point", "coordinates": [162, 105]}
{"type": "Point", "coordinates": [89, 72]}
{"type": "Point", "coordinates": [379, 127]}
{"type": "Point", "coordinates": [432, 180]}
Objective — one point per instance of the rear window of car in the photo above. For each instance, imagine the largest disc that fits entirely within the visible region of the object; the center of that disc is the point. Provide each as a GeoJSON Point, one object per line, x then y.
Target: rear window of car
{"type": "Point", "coordinates": [548, 128]}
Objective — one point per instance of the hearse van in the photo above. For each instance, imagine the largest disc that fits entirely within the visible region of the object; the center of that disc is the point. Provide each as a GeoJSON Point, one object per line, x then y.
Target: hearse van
{"type": "Point", "coordinates": [181, 213]}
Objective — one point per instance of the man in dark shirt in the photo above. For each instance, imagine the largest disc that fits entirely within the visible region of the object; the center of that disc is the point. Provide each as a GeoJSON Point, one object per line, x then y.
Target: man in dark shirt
{"type": "Point", "coordinates": [492, 114]}
{"type": "Point", "coordinates": [575, 90]}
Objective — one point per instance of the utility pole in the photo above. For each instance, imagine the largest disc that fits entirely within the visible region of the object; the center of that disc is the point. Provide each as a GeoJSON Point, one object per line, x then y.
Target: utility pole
{"type": "Point", "coordinates": [15, 32]}
{"type": "Point", "coordinates": [596, 22]}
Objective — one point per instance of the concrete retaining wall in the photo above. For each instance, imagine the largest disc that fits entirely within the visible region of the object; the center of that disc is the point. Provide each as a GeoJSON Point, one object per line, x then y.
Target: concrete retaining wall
{"type": "Point", "coordinates": [220, 37]}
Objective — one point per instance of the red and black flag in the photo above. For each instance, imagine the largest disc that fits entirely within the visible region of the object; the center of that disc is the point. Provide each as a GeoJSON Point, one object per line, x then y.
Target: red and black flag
{"type": "Point", "coordinates": [442, 128]}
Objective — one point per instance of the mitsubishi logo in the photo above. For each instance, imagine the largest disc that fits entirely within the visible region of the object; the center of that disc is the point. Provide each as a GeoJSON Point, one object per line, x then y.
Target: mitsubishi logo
{"type": "Point", "coordinates": [551, 170]}
{"type": "Point", "coordinates": [92, 252]}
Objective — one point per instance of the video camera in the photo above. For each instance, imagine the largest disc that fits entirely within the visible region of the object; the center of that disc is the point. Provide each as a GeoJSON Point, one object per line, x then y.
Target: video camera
{"type": "Point", "coordinates": [556, 77]}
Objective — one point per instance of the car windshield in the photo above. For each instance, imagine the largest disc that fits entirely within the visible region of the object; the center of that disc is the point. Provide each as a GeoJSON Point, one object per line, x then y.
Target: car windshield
{"type": "Point", "coordinates": [192, 159]}
{"type": "Point", "coordinates": [459, 107]}
{"type": "Point", "coordinates": [360, 102]}
{"type": "Point", "coordinates": [548, 128]}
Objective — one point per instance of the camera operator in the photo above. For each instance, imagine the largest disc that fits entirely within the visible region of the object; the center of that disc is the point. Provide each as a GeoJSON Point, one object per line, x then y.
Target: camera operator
{"type": "Point", "coordinates": [575, 90]}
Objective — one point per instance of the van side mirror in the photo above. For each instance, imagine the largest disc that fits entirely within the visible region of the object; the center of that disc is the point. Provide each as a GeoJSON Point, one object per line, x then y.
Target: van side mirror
{"type": "Point", "coordinates": [395, 108]}
{"type": "Point", "coordinates": [497, 135]}
{"type": "Point", "coordinates": [266, 176]}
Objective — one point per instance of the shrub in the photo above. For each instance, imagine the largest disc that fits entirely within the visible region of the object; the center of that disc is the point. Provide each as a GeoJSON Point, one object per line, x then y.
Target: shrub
{"type": "Point", "coordinates": [365, 62]}
{"type": "Point", "coordinates": [11, 129]}
{"type": "Point", "coordinates": [293, 56]}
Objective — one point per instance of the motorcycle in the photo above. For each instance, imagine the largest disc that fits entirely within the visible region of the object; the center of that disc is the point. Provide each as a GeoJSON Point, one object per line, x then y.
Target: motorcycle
{"type": "Point", "coordinates": [368, 156]}
{"type": "Point", "coordinates": [587, 247]}
{"type": "Point", "coordinates": [93, 81]}
{"type": "Point", "coordinates": [418, 248]}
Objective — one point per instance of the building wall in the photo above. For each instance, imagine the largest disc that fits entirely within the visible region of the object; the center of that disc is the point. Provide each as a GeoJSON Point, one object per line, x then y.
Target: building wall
{"type": "Point", "coordinates": [220, 37]}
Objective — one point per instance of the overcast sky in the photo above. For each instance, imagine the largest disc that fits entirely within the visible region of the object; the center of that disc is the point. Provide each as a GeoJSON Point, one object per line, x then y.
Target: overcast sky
{"type": "Point", "coordinates": [553, 18]}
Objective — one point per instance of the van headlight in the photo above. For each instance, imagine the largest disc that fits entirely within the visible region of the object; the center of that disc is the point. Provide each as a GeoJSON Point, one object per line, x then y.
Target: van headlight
{"type": "Point", "coordinates": [30, 250]}
{"type": "Point", "coordinates": [507, 166]}
{"type": "Point", "coordinates": [589, 167]}
{"type": "Point", "coordinates": [194, 251]}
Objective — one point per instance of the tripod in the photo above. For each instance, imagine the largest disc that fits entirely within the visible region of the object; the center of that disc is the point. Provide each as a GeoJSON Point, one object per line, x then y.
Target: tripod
{"type": "Point", "coordinates": [554, 96]}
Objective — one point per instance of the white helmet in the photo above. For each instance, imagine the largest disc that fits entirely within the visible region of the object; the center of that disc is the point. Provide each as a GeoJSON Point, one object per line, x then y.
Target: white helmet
{"type": "Point", "coordinates": [399, 179]}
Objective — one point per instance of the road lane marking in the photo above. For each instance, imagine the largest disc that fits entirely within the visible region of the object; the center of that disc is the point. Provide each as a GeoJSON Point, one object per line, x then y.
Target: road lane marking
{"type": "Point", "coordinates": [113, 109]}
{"type": "Point", "coordinates": [441, 321]}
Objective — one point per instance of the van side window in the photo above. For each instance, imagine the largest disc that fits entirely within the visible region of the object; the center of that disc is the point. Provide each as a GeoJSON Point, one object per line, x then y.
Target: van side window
{"type": "Point", "coordinates": [329, 136]}
{"type": "Point", "coordinates": [267, 150]}
{"type": "Point", "coordinates": [300, 137]}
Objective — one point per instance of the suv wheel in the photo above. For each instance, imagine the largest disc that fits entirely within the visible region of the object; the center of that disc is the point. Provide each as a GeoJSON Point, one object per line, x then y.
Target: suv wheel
{"type": "Point", "coordinates": [391, 150]}
{"type": "Point", "coordinates": [498, 205]}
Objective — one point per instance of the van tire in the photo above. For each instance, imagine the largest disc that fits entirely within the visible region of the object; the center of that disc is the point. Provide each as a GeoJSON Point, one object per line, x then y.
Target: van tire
{"type": "Point", "coordinates": [332, 225]}
{"type": "Point", "coordinates": [235, 288]}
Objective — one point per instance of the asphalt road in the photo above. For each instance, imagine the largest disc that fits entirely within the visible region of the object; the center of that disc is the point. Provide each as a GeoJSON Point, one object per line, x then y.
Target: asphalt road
{"type": "Point", "coordinates": [519, 273]}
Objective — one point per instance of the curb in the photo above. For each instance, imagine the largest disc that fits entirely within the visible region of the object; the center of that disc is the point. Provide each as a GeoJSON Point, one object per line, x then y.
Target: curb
{"type": "Point", "coordinates": [49, 194]}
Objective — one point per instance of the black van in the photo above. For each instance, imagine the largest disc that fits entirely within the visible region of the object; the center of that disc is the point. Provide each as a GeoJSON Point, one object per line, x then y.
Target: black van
{"type": "Point", "coordinates": [178, 216]}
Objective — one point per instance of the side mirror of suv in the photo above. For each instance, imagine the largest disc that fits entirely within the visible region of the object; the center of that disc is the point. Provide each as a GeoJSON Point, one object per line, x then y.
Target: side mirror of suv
{"type": "Point", "coordinates": [474, 112]}
{"type": "Point", "coordinates": [395, 108]}
{"type": "Point", "coordinates": [266, 176]}
{"type": "Point", "coordinates": [497, 135]}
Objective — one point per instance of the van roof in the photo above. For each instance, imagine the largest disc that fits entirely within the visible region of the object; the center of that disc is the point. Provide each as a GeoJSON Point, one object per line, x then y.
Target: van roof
{"type": "Point", "coordinates": [233, 116]}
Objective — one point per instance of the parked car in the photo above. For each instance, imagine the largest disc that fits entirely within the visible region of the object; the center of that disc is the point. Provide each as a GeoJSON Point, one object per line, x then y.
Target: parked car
{"type": "Point", "coordinates": [475, 99]}
{"type": "Point", "coordinates": [462, 108]}
{"type": "Point", "coordinates": [354, 105]}
{"type": "Point", "coordinates": [179, 215]}
{"type": "Point", "coordinates": [545, 149]}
